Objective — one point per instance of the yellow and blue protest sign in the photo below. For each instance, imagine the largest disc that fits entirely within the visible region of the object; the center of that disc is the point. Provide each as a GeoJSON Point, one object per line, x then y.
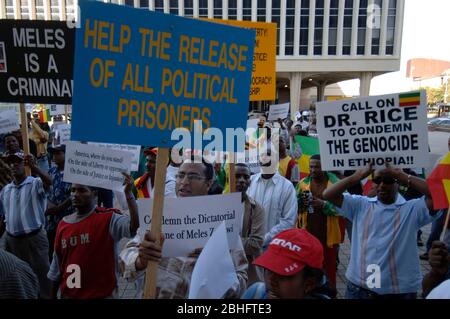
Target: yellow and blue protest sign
{"type": "Point", "coordinates": [139, 74]}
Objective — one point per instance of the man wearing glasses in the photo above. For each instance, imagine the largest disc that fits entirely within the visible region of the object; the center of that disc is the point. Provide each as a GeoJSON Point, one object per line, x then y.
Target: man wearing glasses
{"type": "Point", "coordinates": [194, 178]}
{"type": "Point", "coordinates": [384, 260]}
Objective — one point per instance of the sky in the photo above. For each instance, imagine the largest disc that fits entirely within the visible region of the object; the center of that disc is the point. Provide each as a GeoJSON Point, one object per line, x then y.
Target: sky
{"type": "Point", "coordinates": [426, 34]}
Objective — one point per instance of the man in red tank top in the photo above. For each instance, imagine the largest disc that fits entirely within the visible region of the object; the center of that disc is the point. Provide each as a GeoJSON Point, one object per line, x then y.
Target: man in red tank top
{"type": "Point", "coordinates": [84, 262]}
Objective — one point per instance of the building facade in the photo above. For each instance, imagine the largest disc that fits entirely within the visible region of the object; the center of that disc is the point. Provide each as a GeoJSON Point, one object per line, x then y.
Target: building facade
{"type": "Point", "coordinates": [319, 42]}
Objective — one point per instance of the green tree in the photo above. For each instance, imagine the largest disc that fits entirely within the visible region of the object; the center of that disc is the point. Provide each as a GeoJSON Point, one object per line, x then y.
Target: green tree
{"type": "Point", "coordinates": [436, 95]}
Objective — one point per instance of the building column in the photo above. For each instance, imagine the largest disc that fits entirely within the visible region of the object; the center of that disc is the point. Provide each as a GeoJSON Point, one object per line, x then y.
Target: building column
{"type": "Point", "coordinates": [295, 87]}
{"type": "Point", "coordinates": [321, 90]}
{"type": "Point", "coordinates": [364, 83]}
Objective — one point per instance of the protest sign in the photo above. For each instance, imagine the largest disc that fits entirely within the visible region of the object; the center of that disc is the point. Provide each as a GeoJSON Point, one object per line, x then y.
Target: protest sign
{"type": "Point", "coordinates": [278, 111]}
{"type": "Point", "coordinates": [95, 166]}
{"type": "Point", "coordinates": [264, 58]}
{"type": "Point", "coordinates": [382, 129]}
{"type": "Point", "coordinates": [252, 123]}
{"type": "Point", "coordinates": [8, 121]}
{"type": "Point", "coordinates": [57, 109]}
{"type": "Point", "coordinates": [36, 61]}
{"type": "Point", "coordinates": [188, 222]}
{"type": "Point", "coordinates": [62, 133]}
{"type": "Point", "coordinates": [170, 71]}
{"type": "Point", "coordinates": [135, 151]}
{"type": "Point", "coordinates": [214, 271]}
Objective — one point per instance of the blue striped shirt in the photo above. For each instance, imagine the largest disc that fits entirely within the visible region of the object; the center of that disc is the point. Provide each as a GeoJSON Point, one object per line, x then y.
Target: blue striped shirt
{"type": "Point", "coordinates": [24, 206]}
{"type": "Point", "coordinates": [385, 236]}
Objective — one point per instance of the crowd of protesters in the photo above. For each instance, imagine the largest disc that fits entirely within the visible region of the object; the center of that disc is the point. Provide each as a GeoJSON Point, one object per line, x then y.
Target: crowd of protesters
{"type": "Point", "coordinates": [292, 226]}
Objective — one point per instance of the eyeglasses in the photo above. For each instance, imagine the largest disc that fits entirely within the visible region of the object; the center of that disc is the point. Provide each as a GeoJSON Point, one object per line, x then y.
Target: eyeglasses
{"type": "Point", "coordinates": [190, 177]}
{"type": "Point", "coordinates": [384, 180]}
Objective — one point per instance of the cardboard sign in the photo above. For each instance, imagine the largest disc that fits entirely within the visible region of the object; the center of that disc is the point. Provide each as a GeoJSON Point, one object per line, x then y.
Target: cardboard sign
{"type": "Point", "coordinates": [386, 128]}
{"type": "Point", "coordinates": [141, 74]}
{"type": "Point", "coordinates": [135, 151]}
{"type": "Point", "coordinates": [188, 222]}
{"type": "Point", "coordinates": [62, 133]}
{"type": "Point", "coordinates": [264, 59]}
{"type": "Point", "coordinates": [278, 111]}
{"type": "Point", "coordinates": [8, 121]}
{"type": "Point", "coordinates": [56, 109]}
{"type": "Point", "coordinates": [95, 166]}
{"type": "Point", "coordinates": [36, 61]}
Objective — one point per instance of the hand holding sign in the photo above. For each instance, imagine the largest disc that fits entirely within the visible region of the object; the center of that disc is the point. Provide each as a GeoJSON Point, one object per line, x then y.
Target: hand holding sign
{"type": "Point", "coordinates": [149, 250]}
{"type": "Point", "coordinates": [128, 182]}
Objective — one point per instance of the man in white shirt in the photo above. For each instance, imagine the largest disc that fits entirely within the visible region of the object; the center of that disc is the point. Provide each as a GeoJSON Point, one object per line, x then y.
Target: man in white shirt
{"type": "Point", "coordinates": [276, 195]}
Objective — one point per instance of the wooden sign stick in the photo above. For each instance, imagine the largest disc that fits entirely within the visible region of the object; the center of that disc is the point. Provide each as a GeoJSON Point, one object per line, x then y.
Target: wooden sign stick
{"type": "Point", "coordinates": [158, 207]}
{"type": "Point", "coordinates": [24, 131]}
{"type": "Point", "coordinates": [444, 230]}
{"type": "Point", "coordinates": [66, 115]}
{"type": "Point", "coordinates": [232, 177]}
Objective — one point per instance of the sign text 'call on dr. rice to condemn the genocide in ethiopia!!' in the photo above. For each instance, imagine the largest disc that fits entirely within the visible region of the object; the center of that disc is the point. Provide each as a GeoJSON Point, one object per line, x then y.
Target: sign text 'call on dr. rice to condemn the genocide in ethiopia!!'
{"type": "Point", "coordinates": [134, 77]}
{"type": "Point", "coordinates": [381, 129]}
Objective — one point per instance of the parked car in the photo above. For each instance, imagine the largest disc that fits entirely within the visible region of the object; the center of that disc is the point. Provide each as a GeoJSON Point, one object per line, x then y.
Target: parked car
{"type": "Point", "coordinates": [440, 123]}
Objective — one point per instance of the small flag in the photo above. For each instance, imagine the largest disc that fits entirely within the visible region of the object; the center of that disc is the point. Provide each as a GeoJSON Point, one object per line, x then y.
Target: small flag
{"type": "Point", "coordinates": [44, 115]}
{"type": "Point", "coordinates": [439, 183]}
{"type": "Point", "coordinates": [409, 99]}
{"type": "Point", "coordinates": [309, 147]}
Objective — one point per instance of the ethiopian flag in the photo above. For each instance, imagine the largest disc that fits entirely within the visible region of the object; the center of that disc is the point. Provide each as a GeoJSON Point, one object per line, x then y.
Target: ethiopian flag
{"type": "Point", "coordinates": [439, 183]}
{"type": "Point", "coordinates": [409, 99]}
{"type": "Point", "coordinates": [309, 147]}
{"type": "Point", "coordinates": [44, 115]}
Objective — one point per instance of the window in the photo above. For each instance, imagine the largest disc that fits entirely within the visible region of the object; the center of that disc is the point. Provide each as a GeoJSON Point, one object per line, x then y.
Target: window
{"type": "Point", "coordinates": [390, 32]}
{"type": "Point", "coordinates": [376, 29]}
{"type": "Point", "coordinates": [232, 9]}
{"type": "Point", "coordinates": [203, 8]}
{"type": "Point", "coordinates": [362, 23]}
{"type": "Point", "coordinates": [261, 10]}
{"type": "Point", "coordinates": [70, 10]}
{"type": "Point", "coordinates": [143, 4]}
{"type": "Point", "coordinates": [347, 31]}
{"type": "Point", "coordinates": [290, 21]}
{"type": "Point", "coordinates": [188, 8]}
{"type": "Point", "coordinates": [173, 7]}
{"type": "Point", "coordinates": [276, 19]}
{"type": "Point", "coordinates": [217, 12]}
{"type": "Point", "coordinates": [318, 27]}
{"type": "Point", "coordinates": [247, 10]}
{"type": "Point", "coordinates": [304, 27]}
{"type": "Point", "coordinates": [159, 5]}
{"type": "Point", "coordinates": [332, 29]}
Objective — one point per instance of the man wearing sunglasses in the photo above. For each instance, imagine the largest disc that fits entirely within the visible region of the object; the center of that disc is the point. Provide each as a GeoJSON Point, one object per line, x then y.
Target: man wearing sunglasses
{"type": "Point", "coordinates": [384, 259]}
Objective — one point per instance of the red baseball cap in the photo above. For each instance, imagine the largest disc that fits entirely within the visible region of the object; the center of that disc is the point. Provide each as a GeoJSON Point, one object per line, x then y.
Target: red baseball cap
{"type": "Point", "coordinates": [290, 251]}
{"type": "Point", "coordinates": [151, 150]}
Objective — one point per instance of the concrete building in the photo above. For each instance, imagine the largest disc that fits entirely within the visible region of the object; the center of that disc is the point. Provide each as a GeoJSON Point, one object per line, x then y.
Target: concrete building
{"type": "Point", "coordinates": [319, 43]}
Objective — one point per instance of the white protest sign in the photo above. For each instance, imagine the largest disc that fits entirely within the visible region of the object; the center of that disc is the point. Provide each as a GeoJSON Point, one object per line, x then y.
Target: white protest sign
{"type": "Point", "coordinates": [95, 166]}
{"type": "Point", "coordinates": [62, 133]}
{"type": "Point", "coordinates": [214, 271]}
{"type": "Point", "coordinates": [250, 158]}
{"type": "Point", "coordinates": [188, 222]}
{"type": "Point", "coordinates": [135, 151]}
{"type": "Point", "coordinates": [278, 111]}
{"type": "Point", "coordinates": [382, 129]}
{"type": "Point", "coordinates": [252, 123]}
{"type": "Point", "coordinates": [8, 121]}
{"type": "Point", "coordinates": [29, 107]}
{"type": "Point", "coordinates": [57, 109]}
